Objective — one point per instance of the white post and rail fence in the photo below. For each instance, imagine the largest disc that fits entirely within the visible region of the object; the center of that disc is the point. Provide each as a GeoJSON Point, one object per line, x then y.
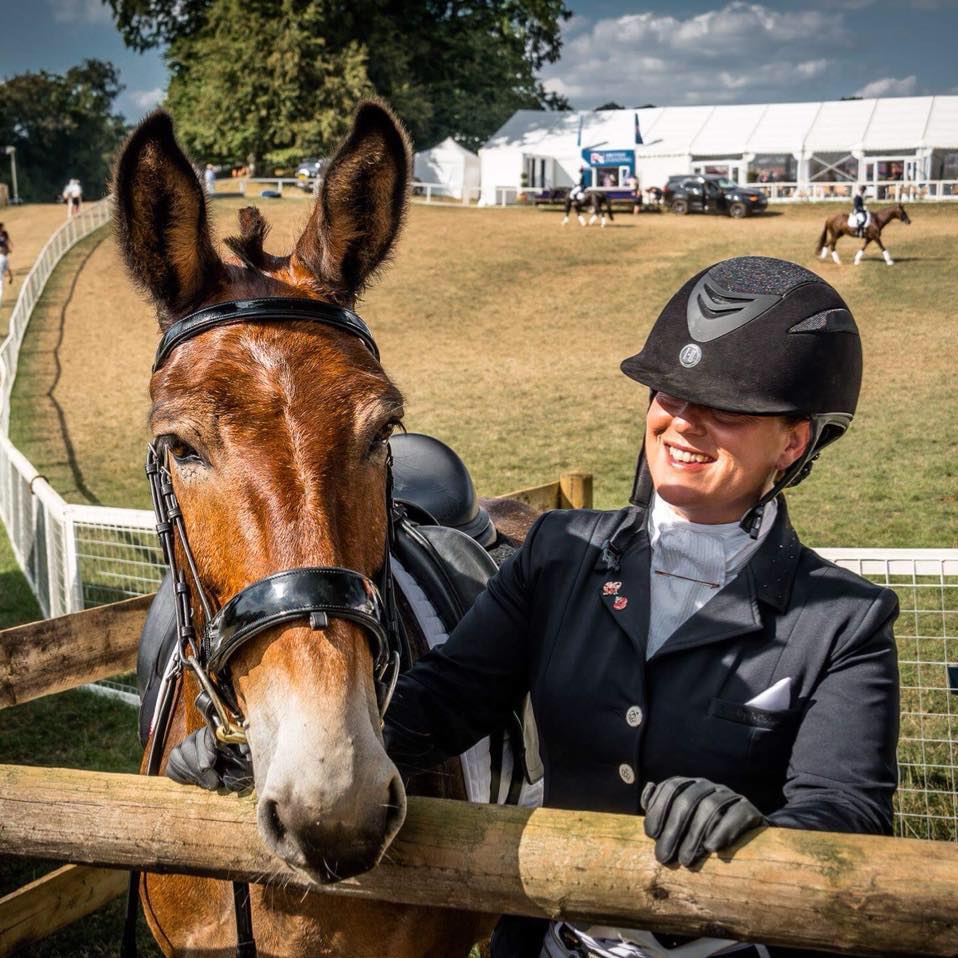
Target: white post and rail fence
{"type": "Point", "coordinates": [843, 893]}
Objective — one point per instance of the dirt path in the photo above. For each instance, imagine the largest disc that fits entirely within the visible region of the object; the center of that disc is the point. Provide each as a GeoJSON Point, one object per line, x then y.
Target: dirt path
{"type": "Point", "coordinates": [29, 226]}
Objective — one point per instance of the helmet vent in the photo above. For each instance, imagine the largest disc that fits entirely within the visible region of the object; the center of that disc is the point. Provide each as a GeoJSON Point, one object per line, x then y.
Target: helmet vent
{"type": "Point", "coordinates": [827, 321]}
{"type": "Point", "coordinates": [713, 311]}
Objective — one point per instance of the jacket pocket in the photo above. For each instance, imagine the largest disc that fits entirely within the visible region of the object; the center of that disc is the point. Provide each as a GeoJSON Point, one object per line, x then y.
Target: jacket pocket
{"type": "Point", "coordinates": [752, 716]}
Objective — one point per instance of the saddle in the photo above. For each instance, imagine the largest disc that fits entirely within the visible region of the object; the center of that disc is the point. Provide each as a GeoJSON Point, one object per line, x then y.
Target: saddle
{"type": "Point", "coordinates": [854, 224]}
{"type": "Point", "coordinates": [441, 564]}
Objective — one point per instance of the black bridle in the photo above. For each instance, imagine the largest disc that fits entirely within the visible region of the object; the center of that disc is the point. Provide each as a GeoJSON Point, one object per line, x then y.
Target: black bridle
{"type": "Point", "coordinates": [314, 594]}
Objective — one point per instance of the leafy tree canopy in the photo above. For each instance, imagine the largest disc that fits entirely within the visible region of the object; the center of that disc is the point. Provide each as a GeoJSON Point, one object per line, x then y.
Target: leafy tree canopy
{"type": "Point", "coordinates": [452, 68]}
{"type": "Point", "coordinates": [258, 82]}
{"type": "Point", "coordinates": [61, 126]}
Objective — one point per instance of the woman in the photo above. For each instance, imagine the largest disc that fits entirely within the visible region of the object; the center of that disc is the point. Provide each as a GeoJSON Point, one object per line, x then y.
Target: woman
{"type": "Point", "coordinates": [687, 656]}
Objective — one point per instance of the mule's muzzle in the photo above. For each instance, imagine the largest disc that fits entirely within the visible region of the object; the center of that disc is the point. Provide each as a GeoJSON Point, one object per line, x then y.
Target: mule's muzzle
{"type": "Point", "coordinates": [329, 846]}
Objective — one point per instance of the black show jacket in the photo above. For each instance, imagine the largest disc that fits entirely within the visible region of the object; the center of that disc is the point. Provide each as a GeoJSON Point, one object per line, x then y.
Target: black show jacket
{"type": "Point", "coordinates": [609, 720]}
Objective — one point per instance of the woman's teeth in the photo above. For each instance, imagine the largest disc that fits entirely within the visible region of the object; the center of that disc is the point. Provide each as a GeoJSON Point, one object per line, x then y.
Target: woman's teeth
{"type": "Point", "coordinates": [680, 455]}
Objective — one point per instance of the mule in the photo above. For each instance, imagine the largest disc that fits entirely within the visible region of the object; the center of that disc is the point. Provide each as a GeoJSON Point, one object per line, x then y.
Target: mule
{"type": "Point", "coordinates": [837, 226]}
{"type": "Point", "coordinates": [598, 203]}
{"type": "Point", "coordinates": [275, 434]}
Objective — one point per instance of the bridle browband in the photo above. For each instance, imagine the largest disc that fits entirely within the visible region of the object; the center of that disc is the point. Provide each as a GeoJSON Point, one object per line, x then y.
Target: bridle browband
{"type": "Point", "coordinates": [278, 309]}
{"type": "Point", "coordinates": [314, 594]}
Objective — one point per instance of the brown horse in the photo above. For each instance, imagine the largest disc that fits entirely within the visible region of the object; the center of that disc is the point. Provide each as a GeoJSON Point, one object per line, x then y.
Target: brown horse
{"type": "Point", "coordinates": [837, 226]}
{"type": "Point", "coordinates": [276, 435]}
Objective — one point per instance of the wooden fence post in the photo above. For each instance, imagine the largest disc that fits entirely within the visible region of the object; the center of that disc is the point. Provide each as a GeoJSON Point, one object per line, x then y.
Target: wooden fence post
{"type": "Point", "coordinates": [51, 903]}
{"type": "Point", "coordinates": [575, 490]}
{"type": "Point", "coordinates": [852, 894]}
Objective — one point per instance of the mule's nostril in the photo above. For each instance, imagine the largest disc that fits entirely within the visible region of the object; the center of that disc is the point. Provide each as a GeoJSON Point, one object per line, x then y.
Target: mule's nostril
{"type": "Point", "coordinates": [395, 809]}
{"type": "Point", "coordinates": [272, 822]}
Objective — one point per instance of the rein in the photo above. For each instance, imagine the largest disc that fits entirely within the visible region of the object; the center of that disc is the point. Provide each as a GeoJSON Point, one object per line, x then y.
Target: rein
{"type": "Point", "coordinates": [312, 594]}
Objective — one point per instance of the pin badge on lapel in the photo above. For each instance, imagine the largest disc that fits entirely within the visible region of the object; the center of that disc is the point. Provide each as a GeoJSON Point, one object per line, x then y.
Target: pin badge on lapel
{"type": "Point", "coordinates": [611, 588]}
{"type": "Point", "coordinates": [620, 603]}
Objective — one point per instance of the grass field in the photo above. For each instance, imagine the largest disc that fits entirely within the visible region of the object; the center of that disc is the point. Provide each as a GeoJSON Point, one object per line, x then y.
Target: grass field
{"type": "Point", "coordinates": [505, 332]}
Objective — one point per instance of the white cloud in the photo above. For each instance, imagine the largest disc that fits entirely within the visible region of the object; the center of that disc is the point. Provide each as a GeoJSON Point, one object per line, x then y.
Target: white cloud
{"type": "Point", "coordinates": [739, 52]}
{"type": "Point", "coordinates": [80, 11]}
{"type": "Point", "coordinates": [145, 100]}
{"type": "Point", "coordinates": [813, 68]}
{"type": "Point", "coordinates": [890, 86]}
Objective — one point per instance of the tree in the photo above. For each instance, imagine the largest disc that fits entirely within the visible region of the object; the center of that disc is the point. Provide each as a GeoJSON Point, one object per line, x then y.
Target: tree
{"type": "Point", "coordinates": [448, 67]}
{"type": "Point", "coordinates": [258, 80]}
{"type": "Point", "coordinates": [611, 105]}
{"type": "Point", "coordinates": [61, 126]}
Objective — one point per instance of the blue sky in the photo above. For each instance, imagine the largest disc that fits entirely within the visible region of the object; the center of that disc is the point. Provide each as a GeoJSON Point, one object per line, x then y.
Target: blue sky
{"type": "Point", "coordinates": [687, 51]}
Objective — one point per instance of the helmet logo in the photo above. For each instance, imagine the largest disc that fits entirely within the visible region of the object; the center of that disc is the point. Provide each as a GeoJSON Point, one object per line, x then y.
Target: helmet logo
{"type": "Point", "coordinates": [690, 355]}
{"type": "Point", "coordinates": [713, 311]}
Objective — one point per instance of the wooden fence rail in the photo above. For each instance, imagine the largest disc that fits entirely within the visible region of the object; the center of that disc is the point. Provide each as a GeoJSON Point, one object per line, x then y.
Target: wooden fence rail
{"type": "Point", "coordinates": [846, 893]}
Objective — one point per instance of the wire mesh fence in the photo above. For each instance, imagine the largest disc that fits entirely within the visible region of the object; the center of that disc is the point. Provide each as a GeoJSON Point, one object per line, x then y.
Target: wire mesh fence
{"type": "Point", "coordinates": [926, 582]}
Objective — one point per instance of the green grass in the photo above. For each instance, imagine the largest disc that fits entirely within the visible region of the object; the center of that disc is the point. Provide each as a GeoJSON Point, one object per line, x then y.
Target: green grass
{"type": "Point", "coordinates": [505, 331]}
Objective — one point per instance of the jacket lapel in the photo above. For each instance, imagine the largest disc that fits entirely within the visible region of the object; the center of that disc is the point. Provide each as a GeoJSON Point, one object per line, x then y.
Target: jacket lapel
{"type": "Point", "coordinates": [625, 591]}
{"type": "Point", "coordinates": [736, 609]}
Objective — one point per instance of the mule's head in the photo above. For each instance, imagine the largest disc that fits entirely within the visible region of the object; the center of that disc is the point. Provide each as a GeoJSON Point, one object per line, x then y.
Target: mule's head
{"type": "Point", "coordinates": [277, 443]}
{"type": "Point", "coordinates": [903, 216]}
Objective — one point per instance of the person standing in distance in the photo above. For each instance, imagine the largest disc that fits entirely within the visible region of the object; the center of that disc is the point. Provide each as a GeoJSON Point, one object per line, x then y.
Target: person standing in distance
{"type": "Point", "coordinates": [6, 248]}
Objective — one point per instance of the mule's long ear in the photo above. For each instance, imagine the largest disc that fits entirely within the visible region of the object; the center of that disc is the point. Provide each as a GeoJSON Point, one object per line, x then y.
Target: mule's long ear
{"type": "Point", "coordinates": [361, 205]}
{"type": "Point", "coordinates": [161, 221]}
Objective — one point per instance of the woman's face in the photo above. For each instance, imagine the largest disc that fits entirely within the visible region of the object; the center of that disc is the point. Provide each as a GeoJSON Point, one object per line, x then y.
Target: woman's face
{"type": "Point", "coordinates": [713, 466]}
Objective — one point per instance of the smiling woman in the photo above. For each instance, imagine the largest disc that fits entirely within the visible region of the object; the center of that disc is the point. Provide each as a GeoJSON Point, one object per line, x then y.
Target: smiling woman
{"type": "Point", "coordinates": [687, 656]}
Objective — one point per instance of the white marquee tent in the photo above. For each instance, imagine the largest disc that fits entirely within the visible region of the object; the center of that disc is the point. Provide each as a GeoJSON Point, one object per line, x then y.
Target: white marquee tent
{"type": "Point", "coordinates": [912, 139]}
{"type": "Point", "coordinates": [454, 168]}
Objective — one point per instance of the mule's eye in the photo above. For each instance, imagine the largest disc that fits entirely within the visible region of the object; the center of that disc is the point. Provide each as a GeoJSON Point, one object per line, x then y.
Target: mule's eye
{"type": "Point", "coordinates": [382, 437]}
{"type": "Point", "coordinates": [183, 452]}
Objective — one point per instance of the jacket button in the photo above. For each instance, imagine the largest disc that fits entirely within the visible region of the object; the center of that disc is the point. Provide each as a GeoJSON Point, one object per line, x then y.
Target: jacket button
{"type": "Point", "coordinates": [634, 716]}
{"type": "Point", "coordinates": [627, 774]}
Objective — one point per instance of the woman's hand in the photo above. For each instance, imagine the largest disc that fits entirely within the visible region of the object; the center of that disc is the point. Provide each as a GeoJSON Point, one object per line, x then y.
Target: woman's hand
{"type": "Point", "coordinates": [691, 817]}
{"type": "Point", "coordinates": [200, 760]}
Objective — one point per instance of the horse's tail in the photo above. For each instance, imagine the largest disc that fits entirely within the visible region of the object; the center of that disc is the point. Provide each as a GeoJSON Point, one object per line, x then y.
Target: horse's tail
{"type": "Point", "coordinates": [608, 206]}
{"type": "Point", "coordinates": [822, 238]}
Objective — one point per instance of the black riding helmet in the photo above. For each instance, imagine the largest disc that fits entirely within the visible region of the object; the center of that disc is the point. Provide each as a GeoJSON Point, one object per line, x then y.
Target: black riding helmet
{"type": "Point", "coordinates": [759, 336]}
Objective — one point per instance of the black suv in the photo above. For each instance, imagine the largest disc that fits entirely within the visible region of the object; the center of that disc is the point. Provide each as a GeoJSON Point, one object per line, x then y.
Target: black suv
{"type": "Point", "coordinates": [710, 193]}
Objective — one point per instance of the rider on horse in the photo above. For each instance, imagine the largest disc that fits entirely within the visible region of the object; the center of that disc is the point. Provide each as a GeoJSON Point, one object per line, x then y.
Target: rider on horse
{"type": "Point", "coordinates": [859, 211]}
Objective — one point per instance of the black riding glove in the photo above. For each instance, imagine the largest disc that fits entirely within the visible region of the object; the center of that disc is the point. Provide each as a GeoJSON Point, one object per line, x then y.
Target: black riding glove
{"type": "Point", "coordinates": [200, 760]}
{"type": "Point", "coordinates": [691, 817]}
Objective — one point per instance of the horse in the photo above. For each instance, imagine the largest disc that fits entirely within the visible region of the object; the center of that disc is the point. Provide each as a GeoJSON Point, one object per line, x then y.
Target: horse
{"type": "Point", "coordinates": [593, 200]}
{"type": "Point", "coordinates": [837, 226]}
{"type": "Point", "coordinates": [275, 436]}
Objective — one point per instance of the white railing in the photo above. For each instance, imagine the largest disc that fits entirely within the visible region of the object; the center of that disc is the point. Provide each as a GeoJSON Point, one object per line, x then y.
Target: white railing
{"type": "Point", "coordinates": [816, 191]}
{"type": "Point", "coordinates": [423, 192]}
{"type": "Point", "coordinates": [842, 191]}
{"type": "Point", "coordinates": [306, 186]}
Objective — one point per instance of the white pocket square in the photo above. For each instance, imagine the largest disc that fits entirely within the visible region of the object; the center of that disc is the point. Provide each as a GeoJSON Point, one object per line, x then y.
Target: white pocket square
{"type": "Point", "coordinates": [776, 698]}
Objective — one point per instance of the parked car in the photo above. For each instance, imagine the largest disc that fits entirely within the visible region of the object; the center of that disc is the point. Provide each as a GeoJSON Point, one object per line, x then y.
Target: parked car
{"type": "Point", "coordinates": [308, 170]}
{"type": "Point", "coordinates": [695, 193]}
